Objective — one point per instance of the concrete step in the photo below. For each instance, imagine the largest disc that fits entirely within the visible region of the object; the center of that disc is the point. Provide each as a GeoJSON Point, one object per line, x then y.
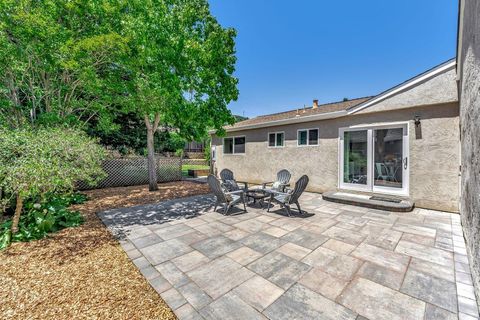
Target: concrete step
{"type": "Point", "coordinates": [374, 201]}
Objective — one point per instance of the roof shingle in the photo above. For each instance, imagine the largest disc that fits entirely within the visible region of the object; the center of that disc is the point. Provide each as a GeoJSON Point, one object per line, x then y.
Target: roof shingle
{"type": "Point", "coordinates": [323, 108]}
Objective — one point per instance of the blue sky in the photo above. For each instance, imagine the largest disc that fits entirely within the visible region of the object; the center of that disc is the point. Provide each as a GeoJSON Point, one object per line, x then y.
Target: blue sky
{"type": "Point", "coordinates": [291, 52]}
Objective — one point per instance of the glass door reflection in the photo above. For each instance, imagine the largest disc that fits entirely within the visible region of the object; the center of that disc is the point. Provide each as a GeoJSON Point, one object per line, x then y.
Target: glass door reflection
{"type": "Point", "coordinates": [355, 162]}
{"type": "Point", "coordinates": [388, 158]}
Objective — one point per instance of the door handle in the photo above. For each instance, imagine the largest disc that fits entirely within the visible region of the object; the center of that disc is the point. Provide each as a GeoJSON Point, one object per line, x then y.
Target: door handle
{"type": "Point", "coordinates": [405, 163]}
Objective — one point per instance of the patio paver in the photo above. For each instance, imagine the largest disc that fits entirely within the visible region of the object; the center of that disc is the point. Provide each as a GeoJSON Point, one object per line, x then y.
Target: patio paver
{"type": "Point", "coordinates": [279, 269]}
{"type": "Point", "coordinates": [323, 283]}
{"type": "Point", "coordinates": [258, 292]}
{"type": "Point", "coordinates": [300, 302]}
{"type": "Point", "coordinates": [428, 288]}
{"type": "Point", "coordinates": [230, 306]}
{"type": "Point", "coordinates": [377, 302]}
{"type": "Point", "coordinates": [216, 246]}
{"type": "Point", "coordinates": [244, 255]}
{"type": "Point", "coordinates": [337, 262]}
{"type": "Point", "coordinates": [220, 276]}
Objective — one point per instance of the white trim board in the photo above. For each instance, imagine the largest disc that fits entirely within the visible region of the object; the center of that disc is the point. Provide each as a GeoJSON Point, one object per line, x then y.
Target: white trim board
{"type": "Point", "coordinates": [370, 186]}
{"type": "Point", "coordinates": [275, 133]}
{"type": "Point", "coordinates": [233, 146]}
{"type": "Point", "coordinates": [308, 137]}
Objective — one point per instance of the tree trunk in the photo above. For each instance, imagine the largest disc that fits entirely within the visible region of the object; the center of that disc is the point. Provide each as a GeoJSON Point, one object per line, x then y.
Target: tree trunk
{"type": "Point", "coordinates": [16, 216]}
{"type": "Point", "coordinates": [152, 168]}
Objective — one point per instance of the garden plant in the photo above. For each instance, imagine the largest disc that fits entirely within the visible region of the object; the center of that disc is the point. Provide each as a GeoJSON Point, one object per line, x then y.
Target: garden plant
{"type": "Point", "coordinates": [41, 166]}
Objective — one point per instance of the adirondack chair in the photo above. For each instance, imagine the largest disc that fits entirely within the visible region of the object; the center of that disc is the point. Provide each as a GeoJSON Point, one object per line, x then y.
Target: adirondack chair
{"type": "Point", "coordinates": [229, 182]}
{"type": "Point", "coordinates": [286, 199]}
{"type": "Point", "coordinates": [283, 178]}
{"type": "Point", "coordinates": [228, 199]}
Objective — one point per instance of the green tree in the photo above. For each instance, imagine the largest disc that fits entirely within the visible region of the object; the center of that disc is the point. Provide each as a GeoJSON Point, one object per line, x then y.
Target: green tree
{"type": "Point", "coordinates": [82, 62]}
{"type": "Point", "coordinates": [182, 70]}
{"type": "Point", "coordinates": [58, 62]}
{"type": "Point", "coordinates": [37, 162]}
{"type": "Point", "coordinates": [178, 69]}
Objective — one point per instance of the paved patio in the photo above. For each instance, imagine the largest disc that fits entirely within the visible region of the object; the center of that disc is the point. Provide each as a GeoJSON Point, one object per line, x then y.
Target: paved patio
{"type": "Point", "coordinates": [336, 262]}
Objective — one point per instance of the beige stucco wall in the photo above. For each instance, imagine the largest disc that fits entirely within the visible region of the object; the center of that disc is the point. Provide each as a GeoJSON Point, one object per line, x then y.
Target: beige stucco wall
{"type": "Point", "coordinates": [437, 90]}
{"type": "Point", "coordinates": [469, 76]}
{"type": "Point", "coordinates": [434, 158]}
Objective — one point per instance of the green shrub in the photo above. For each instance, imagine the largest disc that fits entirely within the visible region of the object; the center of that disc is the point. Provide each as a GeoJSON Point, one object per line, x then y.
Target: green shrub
{"type": "Point", "coordinates": [37, 163]}
{"type": "Point", "coordinates": [44, 217]}
{"type": "Point", "coordinates": [208, 150]}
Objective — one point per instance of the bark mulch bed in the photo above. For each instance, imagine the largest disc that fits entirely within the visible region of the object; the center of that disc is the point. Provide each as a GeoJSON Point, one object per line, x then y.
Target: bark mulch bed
{"type": "Point", "coordinates": [82, 272]}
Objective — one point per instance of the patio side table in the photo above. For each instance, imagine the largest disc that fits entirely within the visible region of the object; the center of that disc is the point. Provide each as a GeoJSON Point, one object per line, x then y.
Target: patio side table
{"type": "Point", "coordinates": [257, 195]}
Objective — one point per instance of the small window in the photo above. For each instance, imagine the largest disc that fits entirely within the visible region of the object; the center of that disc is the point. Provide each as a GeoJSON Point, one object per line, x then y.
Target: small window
{"type": "Point", "coordinates": [228, 145]}
{"type": "Point", "coordinates": [271, 140]}
{"type": "Point", "coordinates": [307, 137]}
{"type": "Point", "coordinates": [239, 145]}
{"type": "Point", "coordinates": [313, 136]}
{"type": "Point", "coordinates": [234, 145]}
{"type": "Point", "coordinates": [276, 139]}
{"type": "Point", "coordinates": [279, 139]}
{"type": "Point", "coordinates": [302, 137]}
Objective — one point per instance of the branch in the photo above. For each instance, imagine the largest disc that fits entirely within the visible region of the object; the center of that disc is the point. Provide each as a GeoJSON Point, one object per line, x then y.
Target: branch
{"type": "Point", "coordinates": [156, 122]}
{"type": "Point", "coordinates": [89, 118]}
{"type": "Point", "coordinates": [147, 123]}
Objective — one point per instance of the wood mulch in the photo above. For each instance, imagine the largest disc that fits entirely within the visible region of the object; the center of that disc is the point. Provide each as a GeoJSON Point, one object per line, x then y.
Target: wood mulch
{"type": "Point", "coordinates": [83, 273]}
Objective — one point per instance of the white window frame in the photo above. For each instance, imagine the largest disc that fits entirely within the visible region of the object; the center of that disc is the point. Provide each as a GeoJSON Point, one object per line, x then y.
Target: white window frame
{"type": "Point", "coordinates": [308, 137]}
{"type": "Point", "coordinates": [233, 146]}
{"type": "Point", "coordinates": [370, 187]}
{"type": "Point", "coordinates": [275, 133]}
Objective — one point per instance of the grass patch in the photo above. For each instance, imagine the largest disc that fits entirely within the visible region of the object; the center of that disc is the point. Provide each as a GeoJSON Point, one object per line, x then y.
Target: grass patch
{"type": "Point", "coordinates": [187, 167]}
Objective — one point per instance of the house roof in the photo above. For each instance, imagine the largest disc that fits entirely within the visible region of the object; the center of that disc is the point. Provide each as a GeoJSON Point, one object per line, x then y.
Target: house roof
{"type": "Point", "coordinates": [406, 85]}
{"type": "Point", "coordinates": [337, 109]}
{"type": "Point", "coordinates": [299, 113]}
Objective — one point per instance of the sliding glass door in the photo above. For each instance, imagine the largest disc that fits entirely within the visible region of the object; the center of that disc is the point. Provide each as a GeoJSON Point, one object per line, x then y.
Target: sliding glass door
{"type": "Point", "coordinates": [355, 163]}
{"type": "Point", "coordinates": [375, 159]}
{"type": "Point", "coordinates": [388, 158]}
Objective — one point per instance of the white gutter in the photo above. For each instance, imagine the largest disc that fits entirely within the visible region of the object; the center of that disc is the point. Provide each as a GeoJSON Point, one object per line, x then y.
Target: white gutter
{"type": "Point", "coordinates": [300, 119]}
{"type": "Point", "coordinates": [409, 84]}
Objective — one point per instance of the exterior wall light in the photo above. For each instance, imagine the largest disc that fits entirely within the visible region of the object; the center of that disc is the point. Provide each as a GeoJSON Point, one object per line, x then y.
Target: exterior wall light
{"type": "Point", "coordinates": [416, 118]}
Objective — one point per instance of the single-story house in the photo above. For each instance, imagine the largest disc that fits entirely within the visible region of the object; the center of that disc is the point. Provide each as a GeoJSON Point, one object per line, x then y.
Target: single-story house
{"type": "Point", "coordinates": [403, 142]}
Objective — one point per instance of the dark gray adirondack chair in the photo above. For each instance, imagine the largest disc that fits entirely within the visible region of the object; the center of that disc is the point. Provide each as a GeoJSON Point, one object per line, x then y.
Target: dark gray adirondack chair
{"type": "Point", "coordinates": [227, 176]}
{"type": "Point", "coordinates": [286, 199]}
{"type": "Point", "coordinates": [283, 179]}
{"type": "Point", "coordinates": [228, 199]}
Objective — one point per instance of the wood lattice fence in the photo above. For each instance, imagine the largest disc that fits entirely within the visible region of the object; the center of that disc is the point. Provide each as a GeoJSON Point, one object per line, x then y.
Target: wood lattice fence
{"type": "Point", "coordinates": [134, 171]}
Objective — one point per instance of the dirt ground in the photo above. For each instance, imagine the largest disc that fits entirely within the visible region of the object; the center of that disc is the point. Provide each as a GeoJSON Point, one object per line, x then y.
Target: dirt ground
{"type": "Point", "coordinates": [83, 273]}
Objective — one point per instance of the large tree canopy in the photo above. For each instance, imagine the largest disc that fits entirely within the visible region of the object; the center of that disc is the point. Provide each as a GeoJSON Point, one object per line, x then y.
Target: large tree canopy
{"type": "Point", "coordinates": [182, 71]}
{"type": "Point", "coordinates": [57, 62]}
{"type": "Point", "coordinates": [81, 62]}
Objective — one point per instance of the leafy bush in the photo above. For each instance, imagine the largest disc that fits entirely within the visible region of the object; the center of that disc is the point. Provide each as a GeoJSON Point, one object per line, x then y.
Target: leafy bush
{"type": "Point", "coordinates": [208, 149]}
{"type": "Point", "coordinates": [36, 163]}
{"type": "Point", "coordinates": [41, 218]}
